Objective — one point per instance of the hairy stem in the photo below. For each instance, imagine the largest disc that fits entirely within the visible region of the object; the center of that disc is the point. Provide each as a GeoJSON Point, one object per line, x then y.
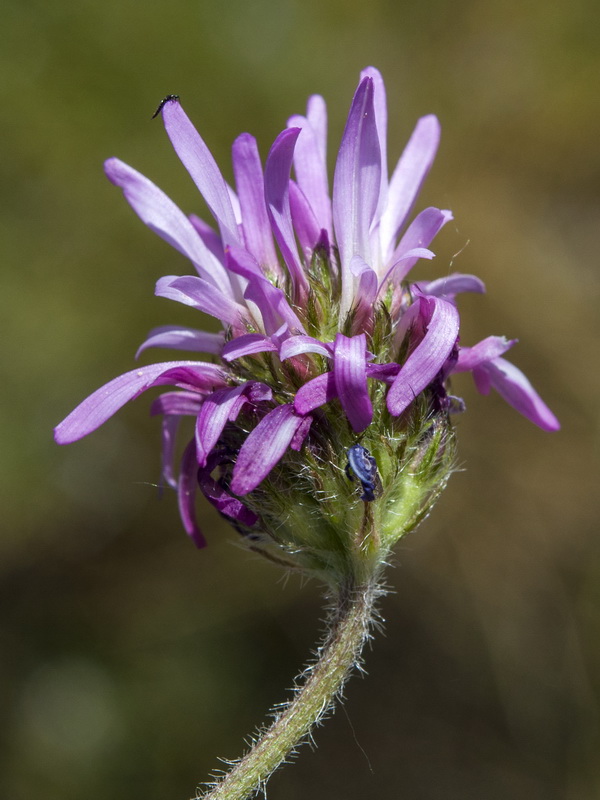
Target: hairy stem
{"type": "Point", "coordinates": [322, 681]}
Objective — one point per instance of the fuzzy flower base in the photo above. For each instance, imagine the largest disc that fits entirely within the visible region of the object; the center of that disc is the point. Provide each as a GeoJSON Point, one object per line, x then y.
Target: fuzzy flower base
{"type": "Point", "coordinates": [322, 408]}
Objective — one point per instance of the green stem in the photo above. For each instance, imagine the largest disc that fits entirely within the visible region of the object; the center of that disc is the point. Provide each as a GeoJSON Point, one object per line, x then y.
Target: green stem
{"type": "Point", "coordinates": [340, 652]}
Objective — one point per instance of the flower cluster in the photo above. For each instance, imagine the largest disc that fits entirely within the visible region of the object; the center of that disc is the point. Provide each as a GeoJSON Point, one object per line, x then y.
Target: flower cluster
{"type": "Point", "coordinates": [328, 354]}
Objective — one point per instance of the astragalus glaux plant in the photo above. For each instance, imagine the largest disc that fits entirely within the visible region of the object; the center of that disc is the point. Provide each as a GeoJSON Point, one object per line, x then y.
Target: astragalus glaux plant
{"type": "Point", "coordinates": [322, 410]}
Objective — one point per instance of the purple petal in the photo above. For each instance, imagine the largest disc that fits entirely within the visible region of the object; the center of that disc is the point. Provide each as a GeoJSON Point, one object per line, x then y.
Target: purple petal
{"type": "Point", "coordinates": [349, 369]}
{"type": "Point", "coordinates": [310, 165]}
{"type": "Point", "coordinates": [203, 169]}
{"type": "Point", "coordinates": [513, 386]}
{"type": "Point", "coordinates": [218, 409]}
{"type": "Point", "coordinates": [470, 358]}
{"type": "Point", "coordinates": [264, 447]}
{"type": "Point", "coordinates": [452, 285]}
{"type": "Point", "coordinates": [249, 181]}
{"type": "Point", "coordinates": [383, 372]}
{"type": "Point", "coordinates": [428, 358]}
{"type": "Point", "coordinates": [277, 178]}
{"type": "Point", "coordinates": [225, 504]}
{"type": "Point", "coordinates": [380, 106]}
{"type": "Point", "coordinates": [297, 345]}
{"type": "Point", "coordinates": [107, 400]}
{"type": "Point", "coordinates": [170, 426]}
{"type": "Point", "coordinates": [421, 232]}
{"type": "Point", "coordinates": [407, 179]}
{"type": "Point", "coordinates": [196, 292]}
{"type": "Point", "coordinates": [186, 494]}
{"type": "Point", "coordinates": [356, 185]}
{"type": "Point", "coordinates": [246, 345]}
{"type": "Point", "coordinates": [177, 404]}
{"type": "Point", "coordinates": [161, 215]}
{"type": "Point", "coordinates": [316, 114]}
{"type": "Point", "coordinates": [307, 228]}
{"type": "Point", "coordinates": [273, 306]}
{"type": "Point", "coordinates": [315, 393]}
{"type": "Point", "coordinates": [366, 293]}
{"type": "Point", "coordinates": [209, 236]}
{"type": "Point", "coordinates": [174, 336]}
{"type": "Point", "coordinates": [301, 434]}
{"type": "Point", "coordinates": [482, 380]}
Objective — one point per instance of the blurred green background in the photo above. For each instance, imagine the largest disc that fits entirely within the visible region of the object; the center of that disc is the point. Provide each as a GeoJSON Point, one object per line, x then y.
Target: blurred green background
{"type": "Point", "coordinates": [130, 662]}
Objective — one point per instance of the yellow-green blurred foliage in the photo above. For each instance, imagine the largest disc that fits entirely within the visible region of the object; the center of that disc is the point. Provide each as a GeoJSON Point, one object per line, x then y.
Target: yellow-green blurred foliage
{"type": "Point", "coordinates": [130, 662]}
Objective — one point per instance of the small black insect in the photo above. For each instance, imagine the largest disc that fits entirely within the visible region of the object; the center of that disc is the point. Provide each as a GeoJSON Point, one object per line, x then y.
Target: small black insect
{"type": "Point", "coordinates": [163, 102]}
{"type": "Point", "coordinates": [363, 466]}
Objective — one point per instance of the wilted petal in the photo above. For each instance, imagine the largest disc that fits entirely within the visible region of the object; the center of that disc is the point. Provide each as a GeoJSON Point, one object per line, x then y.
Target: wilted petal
{"type": "Point", "coordinates": [512, 385]}
{"type": "Point", "coordinates": [107, 400]}
{"type": "Point", "coordinates": [186, 495]}
{"type": "Point", "coordinates": [277, 179]}
{"type": "Point", "coordinates": [264, 447]}
{"type": "Point", "coordinates": [470, 358]}
{"type": "Point", "coordinates": [198, 293]}
{"type": "Point", "coordinates": [407, 179]}
{"type": "Point", "coordinates": [203, 169]}
{"type": "Point", "coordinates": [249, 180]}
{"type": "Point", "coordinates": [174, 336]}
{"type": "Point", "coordinates": [428, 358]}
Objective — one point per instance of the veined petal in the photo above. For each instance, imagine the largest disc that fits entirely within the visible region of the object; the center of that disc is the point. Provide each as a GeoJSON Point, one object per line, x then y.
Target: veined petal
{"type": "Point", "coordinates": [420, 233]}
{"type": "Point", "coordinates": [174, 336]}
{"type": "Point", "coordinates": [428, 358]}
{"type": "Point", "coordinates": [264, 448]}
{"type": "Point", "coordinates": [186, 495]}
{"type": "Point", "coordinates": [315, 393]}
{"type": "Point", "coordinates": [310, 164]}
{"type": "Point", "coordinates": [452, 285]}
{"type": "Point", "coordinates": [512, 385]}
{"type": "Point", "coordinates": [107, 400]}
{"type": "Point", "coordinates": [492, 347]}
{"type": "Point", "coordinates": [277, 178]}
{"type": "Point", "coordinates": [249, 181]}
{"type": "Point", "coordinates": [246, 345]}
{"type": "Point", "coordinates": [161, 215]}
{"type": "Point", "coordinates": [202, 167]}
{"type": "Point", "coordinates": [218, 409]}
{"type": "Point", "coordinates": [356, 186]}
{"type": "Point", "coordinates": [407, 179]}
{"type": "Point", "coordinates": [349, 370]}
{"type": "Point", "coordinates": [198, 293]}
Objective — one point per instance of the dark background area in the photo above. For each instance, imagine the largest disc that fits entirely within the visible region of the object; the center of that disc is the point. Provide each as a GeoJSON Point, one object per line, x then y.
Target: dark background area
{"type": "Point", "coordinates": [130, 662]}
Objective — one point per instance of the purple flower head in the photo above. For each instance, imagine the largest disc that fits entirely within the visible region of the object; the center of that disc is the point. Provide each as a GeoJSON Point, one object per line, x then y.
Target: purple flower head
{"type": "Point", "coordinates": [325, 347]}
